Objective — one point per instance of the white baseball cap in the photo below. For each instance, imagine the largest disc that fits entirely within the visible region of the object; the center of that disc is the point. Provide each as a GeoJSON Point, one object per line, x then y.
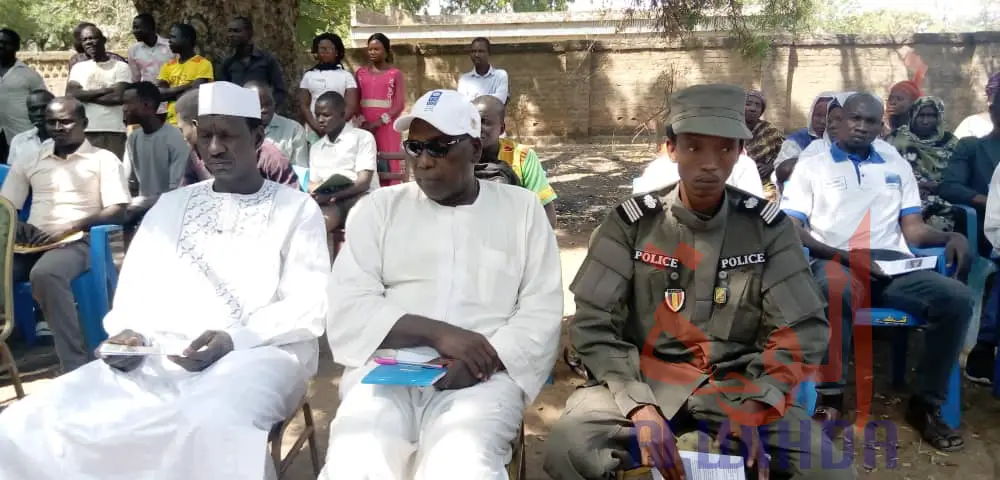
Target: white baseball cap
{"type": "Point", "coordinates": [446, 110]}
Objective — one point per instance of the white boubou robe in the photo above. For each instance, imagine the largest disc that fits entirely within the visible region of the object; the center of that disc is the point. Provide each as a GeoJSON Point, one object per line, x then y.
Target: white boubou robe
{"type": "Point", "coordinates": [255, 266]}
{"type": "Point", "coordinates": [491, 267]}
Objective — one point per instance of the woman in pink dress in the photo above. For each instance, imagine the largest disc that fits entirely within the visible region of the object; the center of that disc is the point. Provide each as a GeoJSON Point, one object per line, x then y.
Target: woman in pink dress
{"type": "Point", "coordinates": [382, 97]}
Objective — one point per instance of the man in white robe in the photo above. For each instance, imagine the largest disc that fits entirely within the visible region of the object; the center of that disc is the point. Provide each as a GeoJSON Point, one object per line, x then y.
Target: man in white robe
{"type": "Point", "coordinates": [464, 269]}
{"type": "Point", "coordinates": [229, 274]}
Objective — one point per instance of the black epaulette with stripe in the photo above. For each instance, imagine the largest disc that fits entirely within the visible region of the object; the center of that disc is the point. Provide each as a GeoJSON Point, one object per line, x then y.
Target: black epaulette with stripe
{"type": "Point", "coordinates": [633, 209]}
{"type": "Point", "coordinates": [769, 212]}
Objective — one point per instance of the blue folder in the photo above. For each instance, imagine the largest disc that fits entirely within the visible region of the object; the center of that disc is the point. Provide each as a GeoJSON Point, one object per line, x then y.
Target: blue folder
{"type": "Point", "coordinates": [404, 375]}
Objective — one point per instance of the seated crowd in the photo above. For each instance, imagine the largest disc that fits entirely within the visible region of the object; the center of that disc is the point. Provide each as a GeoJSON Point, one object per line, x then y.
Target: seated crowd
{"type": "Point", "coordinates": [696, 308]}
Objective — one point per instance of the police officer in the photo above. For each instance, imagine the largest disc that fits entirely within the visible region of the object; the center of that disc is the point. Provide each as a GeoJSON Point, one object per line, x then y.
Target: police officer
{"type": "Point", "coordinates": [695, 308]}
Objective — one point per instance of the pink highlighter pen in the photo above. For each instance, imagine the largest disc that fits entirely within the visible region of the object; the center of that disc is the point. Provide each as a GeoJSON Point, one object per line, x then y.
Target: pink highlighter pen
{"type": "Point", "coordinates": [393, 361]}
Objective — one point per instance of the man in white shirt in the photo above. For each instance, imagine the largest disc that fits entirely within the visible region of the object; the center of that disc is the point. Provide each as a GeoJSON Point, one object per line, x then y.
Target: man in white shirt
{"type": "Point", "coordinates": [854, 206]}
{"type": "Point", "coordinates": [454, 267]}
{"type": "Point", "coordinates": [17, 81]}
{"type": "Point", "coordinates": [343, 151]}
{"type": "Point", "coordinates": [74, 187]}
{"type": "Point", "coordinates": [979, 125]}
{"type": "Point", "coordinates": [484, 79]}
{"type": "Point", "coordinates": [25, 145]}
{"type": "Point", "coordinates": [99, 83]}
{"type": "Point", "coordinates": [663, 171]}
{"type": "Point", "coordinates": [286, 134]}
{"type": "Point", "coordinates": [246, 264]}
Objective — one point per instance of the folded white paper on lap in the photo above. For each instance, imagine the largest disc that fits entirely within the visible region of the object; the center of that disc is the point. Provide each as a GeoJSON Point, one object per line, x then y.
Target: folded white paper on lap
{"type": "Point", "coordinates": [110, 349]}
{"type": "Point", "coordinates": [906, 265]}
{"type": "Point", "coordinates": [709, 466]}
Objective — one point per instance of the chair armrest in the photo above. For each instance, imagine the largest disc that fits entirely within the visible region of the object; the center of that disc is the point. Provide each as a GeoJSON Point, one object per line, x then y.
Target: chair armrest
{"type": "Point", "coordinates": [971, 226]}
{"type": "Point", "coordinates": [100, 239]}
{"type": "Point", "coordinates": [942, 262]}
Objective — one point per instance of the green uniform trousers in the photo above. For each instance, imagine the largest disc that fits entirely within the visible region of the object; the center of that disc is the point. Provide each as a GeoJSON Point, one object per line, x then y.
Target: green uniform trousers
{"type": "Point", "coordinates": [592, 439]}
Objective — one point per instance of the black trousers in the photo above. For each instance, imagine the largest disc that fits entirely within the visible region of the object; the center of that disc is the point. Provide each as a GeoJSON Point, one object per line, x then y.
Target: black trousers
{"type": "Point", "coordinates": [4, 148]}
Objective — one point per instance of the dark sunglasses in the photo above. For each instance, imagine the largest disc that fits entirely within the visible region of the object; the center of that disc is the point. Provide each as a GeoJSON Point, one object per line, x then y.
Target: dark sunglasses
{"type": "Point", "coordinates": [435, 148]}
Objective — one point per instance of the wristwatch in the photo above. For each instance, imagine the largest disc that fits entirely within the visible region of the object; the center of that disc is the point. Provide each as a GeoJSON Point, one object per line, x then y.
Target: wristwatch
{"type": "Point", "coordinates": [385, 118]}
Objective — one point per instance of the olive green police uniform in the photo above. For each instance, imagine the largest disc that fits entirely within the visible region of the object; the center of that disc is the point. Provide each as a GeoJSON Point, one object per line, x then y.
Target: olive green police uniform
{"type": "Point", "coordinates": [671, 305]}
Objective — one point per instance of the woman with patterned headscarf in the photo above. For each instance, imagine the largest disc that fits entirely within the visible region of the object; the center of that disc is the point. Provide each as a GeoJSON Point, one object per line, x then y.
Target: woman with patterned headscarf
{"type": "Point", "coordinates": [979, 124]}
{"type": "Point", "coordinates": [924, 143]}
{"type": "Point", "coordinates": [766, 141]}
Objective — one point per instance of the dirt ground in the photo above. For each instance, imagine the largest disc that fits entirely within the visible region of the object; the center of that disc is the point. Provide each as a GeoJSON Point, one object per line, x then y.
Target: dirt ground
{"type": "Point", "coordinates": [588, 180]}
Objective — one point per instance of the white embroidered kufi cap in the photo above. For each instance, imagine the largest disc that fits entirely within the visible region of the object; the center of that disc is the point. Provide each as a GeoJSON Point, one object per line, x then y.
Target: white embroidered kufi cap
{"type": "Point", "coordinates": [225, 98]}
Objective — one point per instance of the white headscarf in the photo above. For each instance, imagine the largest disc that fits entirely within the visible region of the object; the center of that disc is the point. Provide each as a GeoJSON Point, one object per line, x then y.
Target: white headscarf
{"type": "Point", "coordinates": [791, 148]}
{"type": "Point", "coordinates": [839, 99]}
{"type": "Point", "coordinates": [881, 147]}
{"type": "Point", "coordinates": [822, 96]}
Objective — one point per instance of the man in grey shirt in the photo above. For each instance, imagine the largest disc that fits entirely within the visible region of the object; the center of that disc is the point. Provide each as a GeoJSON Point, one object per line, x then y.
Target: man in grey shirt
{"type": "Point", "coordinates": [283, 132]}
{"type": "Point", "coordinates": [156, 154]}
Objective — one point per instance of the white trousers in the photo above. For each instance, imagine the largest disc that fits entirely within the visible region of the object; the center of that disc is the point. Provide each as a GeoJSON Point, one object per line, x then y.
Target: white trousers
{"type": "Point", "coordinates": [154, 423]}
{"type": "Point", "coordinates": [403, 433]}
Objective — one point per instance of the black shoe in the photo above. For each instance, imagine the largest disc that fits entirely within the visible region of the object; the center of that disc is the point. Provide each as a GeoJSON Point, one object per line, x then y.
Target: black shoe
{"type": "Point", "coordinates": [979, 364]}
{"type": "Point", "coordinates": [927, 420]}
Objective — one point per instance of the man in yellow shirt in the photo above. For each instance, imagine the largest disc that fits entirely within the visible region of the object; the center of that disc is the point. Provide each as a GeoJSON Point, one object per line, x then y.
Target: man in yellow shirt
{"type": "Point", "coordinates": [185, 72]}
{"type": "Point", "coordinates": [521, 158]}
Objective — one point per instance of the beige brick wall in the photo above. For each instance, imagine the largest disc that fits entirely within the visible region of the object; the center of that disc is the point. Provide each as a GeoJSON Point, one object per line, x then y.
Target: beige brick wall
{"type": "Point", "coordinates": [575, 90]}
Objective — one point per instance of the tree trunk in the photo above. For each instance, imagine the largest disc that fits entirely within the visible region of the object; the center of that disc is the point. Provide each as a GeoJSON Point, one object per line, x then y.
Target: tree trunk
{"type": "Point", "coordinates": [273, 23]}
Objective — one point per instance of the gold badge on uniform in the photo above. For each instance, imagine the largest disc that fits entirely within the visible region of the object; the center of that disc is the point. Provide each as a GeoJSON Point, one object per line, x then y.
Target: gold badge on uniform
{"type": "Point", "coordinates": [674, 298]}
{"type": "Point", "coordinates": [721, 295]}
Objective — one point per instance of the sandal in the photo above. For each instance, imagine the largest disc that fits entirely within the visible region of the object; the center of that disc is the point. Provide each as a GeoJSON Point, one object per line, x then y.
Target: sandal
{"type": "Point", "coordinates": [927, 420]}
{"type": "Point", "coordinates": [574, 362]}
{"type": "Point", "coordinates": [825, 414]}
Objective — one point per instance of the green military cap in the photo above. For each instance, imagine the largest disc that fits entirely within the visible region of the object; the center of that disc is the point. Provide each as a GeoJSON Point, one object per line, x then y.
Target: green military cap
{"type": "Point", "coordinates": [715, 109]}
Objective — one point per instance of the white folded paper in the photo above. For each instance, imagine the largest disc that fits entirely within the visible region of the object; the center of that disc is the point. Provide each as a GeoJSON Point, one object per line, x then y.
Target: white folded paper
{"type": "Point", "coordinates": [906, 265]}
{"type": "Point", "coordinates": [709, 466]}
{"type": "Point", "coordinates": [110, 349]}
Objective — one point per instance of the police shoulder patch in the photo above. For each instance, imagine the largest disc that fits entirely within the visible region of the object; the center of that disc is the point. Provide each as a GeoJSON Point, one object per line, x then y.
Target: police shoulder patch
{"type": "Point", "coordinates": [770, 212]}
{"type": "Point", "coordinates": [637, 207]}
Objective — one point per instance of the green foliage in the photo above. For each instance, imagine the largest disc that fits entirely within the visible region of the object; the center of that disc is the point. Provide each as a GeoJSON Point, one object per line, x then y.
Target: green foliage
{"type": "Point", "coordinates": [318, 16]}
{"type": "Point", "coordinates": [49, 25]}
{"type": "Point", "coordinates": [14, 15]}
{"type": "Point", "coordinates": [498, 6]}
{"type": "Point", "coordinates": [747, 21]}
{"type": "Point", "coordinates": [846, 18]}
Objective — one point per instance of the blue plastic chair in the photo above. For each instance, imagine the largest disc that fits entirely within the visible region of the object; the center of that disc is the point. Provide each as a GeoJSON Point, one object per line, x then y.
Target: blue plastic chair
{"type": "Point", "coordinates": [22, 214]}
{"type": "Point", "coordinates": [303, 174]}
{"type": "Point", "coordinates": [92, 290]}
{"type": "Point", "coordinates": [806, 395]}
{"type": "Point", "coordinates": [889, 317]}
{"type": "Point", "coordinates": [980, 270]}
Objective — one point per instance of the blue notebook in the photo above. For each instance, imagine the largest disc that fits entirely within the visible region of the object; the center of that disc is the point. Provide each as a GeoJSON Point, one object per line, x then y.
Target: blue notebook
{"type": "Point", "coordinates": [404, 375]}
